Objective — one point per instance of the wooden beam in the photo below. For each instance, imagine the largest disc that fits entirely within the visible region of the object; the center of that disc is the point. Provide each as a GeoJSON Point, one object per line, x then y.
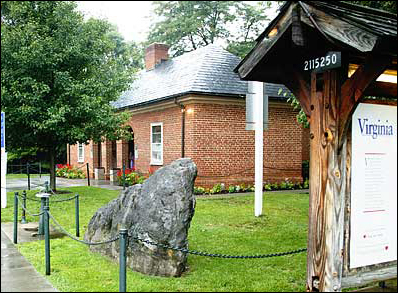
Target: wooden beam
{"type": "Point", "coordinates": [354, 88]}
{"type": "Point", "coordinates": [381, 89]}
{"type": "Point", "coordinates": [341, 30]}
{"type": "Point", "coordinates": [300, 89]}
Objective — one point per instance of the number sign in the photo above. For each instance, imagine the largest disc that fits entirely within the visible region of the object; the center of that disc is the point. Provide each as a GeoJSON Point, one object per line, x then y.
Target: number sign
{"type": "Point", "coordinates": [320, 64]}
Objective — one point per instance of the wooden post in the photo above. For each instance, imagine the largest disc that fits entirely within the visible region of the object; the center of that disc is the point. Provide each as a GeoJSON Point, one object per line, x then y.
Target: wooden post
{"type": "Point", "coordinates": [326, 212]}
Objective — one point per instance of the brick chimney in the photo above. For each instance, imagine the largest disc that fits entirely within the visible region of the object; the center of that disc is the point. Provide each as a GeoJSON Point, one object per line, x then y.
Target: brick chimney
{"type": "Point", "coordinates": [154, 54]}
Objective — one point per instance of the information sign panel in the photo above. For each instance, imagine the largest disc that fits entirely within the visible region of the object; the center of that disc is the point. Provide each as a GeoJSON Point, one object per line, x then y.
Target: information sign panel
{"type": "Point", "coordinates": [373, 238]}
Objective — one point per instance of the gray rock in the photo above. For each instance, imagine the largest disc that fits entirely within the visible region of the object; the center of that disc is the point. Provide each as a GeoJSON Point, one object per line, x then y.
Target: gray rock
{"type": "Point", "coordinates": [159, 210]}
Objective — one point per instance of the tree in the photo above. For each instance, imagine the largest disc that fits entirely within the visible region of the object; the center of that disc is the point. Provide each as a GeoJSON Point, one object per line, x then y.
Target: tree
{"type": "Point", "coordinates": [189, 25]}
{"type": "Point", "coordinates": [59, 75]}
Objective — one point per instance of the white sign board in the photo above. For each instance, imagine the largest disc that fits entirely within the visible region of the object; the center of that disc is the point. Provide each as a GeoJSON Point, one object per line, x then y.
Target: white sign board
{"type": "Point", "coordinates": [373, 185]}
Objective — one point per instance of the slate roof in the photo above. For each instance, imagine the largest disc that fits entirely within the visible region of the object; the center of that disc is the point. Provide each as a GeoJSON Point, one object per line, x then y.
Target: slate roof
{"type": "Point", "coordinates": [208, 70]}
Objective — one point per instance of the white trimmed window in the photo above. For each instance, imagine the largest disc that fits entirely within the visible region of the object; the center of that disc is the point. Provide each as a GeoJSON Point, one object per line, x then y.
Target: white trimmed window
{"type": "Point", "coordinates": [156, 143]}
{"type": "Point", "coordinates": [80, 152]}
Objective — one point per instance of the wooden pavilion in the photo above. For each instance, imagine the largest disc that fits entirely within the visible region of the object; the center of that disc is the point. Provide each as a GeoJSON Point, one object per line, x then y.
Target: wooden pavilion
{"type": "Point", "coordinates": [330, 55]}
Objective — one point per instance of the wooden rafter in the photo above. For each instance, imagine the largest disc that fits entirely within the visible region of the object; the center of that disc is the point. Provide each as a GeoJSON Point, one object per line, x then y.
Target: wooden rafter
{"type": "Point", "coordinates": [354, 88]}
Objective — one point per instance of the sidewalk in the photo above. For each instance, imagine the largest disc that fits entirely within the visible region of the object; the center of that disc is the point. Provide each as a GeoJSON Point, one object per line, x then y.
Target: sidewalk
{"type": "Point", "coordinates": [22, 184]}
{"type": "Point", "coordinates": [17, 274]}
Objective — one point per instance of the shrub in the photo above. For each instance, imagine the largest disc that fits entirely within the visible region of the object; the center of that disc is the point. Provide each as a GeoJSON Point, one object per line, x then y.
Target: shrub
{"type": "Point", "coordinates": [267, 187]}
{"type": "Point", "coordinates": [231, 189]}
{"type": "Point", "coordinates": [198, 190]}
{"type": "Point", "coordinates": [306, 183]}
{"type": "Point", "coordinates": [218, 188]}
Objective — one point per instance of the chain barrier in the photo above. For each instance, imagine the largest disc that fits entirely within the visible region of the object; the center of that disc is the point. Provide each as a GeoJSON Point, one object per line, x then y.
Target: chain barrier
{"type": "Point", "coordinates": [61, 200]}
{"type": "Point", "coordinates": [76, 239]}
{"type": "Point", "coordinates": [26, 210]}
{"type": "Point", "coordinates": [218, 254]}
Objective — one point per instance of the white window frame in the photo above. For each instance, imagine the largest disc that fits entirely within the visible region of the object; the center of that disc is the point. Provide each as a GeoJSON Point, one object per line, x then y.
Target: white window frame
{"type": "Point", "coordinates": [80, 155]}
{"type": "Point", "coordinates": [154, 161]}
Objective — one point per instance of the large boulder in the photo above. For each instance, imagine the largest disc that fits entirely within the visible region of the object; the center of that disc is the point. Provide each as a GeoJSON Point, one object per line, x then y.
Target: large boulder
{"type": "Point", "coordinates": [159, 210]}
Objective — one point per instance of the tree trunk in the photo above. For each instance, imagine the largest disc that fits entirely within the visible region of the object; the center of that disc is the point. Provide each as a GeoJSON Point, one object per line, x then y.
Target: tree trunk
{"type": "Point", "coordinates": [52, 168]}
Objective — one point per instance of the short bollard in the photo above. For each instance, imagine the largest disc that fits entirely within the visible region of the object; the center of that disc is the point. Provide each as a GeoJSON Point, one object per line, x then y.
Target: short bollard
{"type": "Point", "coordinates": [44, 196]}
{"type": "Point", "coordinates": [77, 215]}
{"type": "Point", "coordinates": [23, 218]}
{"type": "Point", "coordinates": [47, 239]}
{"type": "Point", "coordinates": [122, 260]}
{"type": "Point", "coordinates": [15, 217]}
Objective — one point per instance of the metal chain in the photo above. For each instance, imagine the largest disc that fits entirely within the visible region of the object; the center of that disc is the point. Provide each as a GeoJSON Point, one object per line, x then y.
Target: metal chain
{"type": "Point", "coordinates": [61, 200]}
{"type": "Point", "coordinates": [217, 254]}
{"type": "Point", "coordinates": [76, 239]}
{"type": "Point", "coordinates": [33, 215]}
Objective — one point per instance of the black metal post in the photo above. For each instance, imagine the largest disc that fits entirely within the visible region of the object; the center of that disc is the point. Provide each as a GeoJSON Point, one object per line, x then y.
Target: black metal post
{"type": "Point", "coordinates": [77, 215]}
{"type": "Point", "coordinates": [23, 219]}
{"type": "Point", "coordinates": [47, 239]}
{"type": "Point", "coordinates": [40, 169]}
{"type": "Point", "coordinates": [15, 217]}
{"type": "Point", "coordinates": [88, 175]}
{"type": "Point", "coordinates": [41, 219]}
{"type": "Point", "coordinates": [124, 176]}
{"type": "Point", "coordinates": [122, 260]}
{"type": "Point", "coordinates": [28, 173]}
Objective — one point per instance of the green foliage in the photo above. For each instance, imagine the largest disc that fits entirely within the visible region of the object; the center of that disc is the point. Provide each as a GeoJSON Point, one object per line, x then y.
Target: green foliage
{"type": "Point", "coordinates": [306, 184]}
{"type": "Point", "coordinates": [205, 22]}
{"type": "Point", "coordinates": [198, 190]}
{"type": "Point", "coordinates": [218, 188]}
{"type": "Point", "coordinates": [59, 75]}
{"type": "Point", "coordinates": [267, 187]}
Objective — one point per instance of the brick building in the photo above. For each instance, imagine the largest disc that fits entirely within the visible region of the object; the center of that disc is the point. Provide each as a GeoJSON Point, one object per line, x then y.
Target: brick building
{"type": "Point", "coordinates": [194, 106]}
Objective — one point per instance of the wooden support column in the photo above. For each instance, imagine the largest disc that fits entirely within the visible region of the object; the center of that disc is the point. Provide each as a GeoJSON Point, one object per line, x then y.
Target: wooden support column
{"type": "Point", "coordinates": [326, 211]}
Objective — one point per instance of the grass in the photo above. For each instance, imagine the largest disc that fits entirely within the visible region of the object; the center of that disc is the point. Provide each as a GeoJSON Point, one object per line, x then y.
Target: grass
{"type": "Point", "coordinates": [24, 176]}
{"type": "Point", "coordinates": [221, 224]}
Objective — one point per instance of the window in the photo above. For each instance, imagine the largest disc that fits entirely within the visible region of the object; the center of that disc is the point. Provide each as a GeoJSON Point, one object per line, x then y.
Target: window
{"type": "Point", "coordinates": [156, 144]}
{"type": "Point", "coordinates": [80, 152]}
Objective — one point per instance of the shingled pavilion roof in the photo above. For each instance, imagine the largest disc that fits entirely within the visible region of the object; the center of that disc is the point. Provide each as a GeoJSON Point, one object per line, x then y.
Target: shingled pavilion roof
{"type": "Point", "coordinates": [205, 71]}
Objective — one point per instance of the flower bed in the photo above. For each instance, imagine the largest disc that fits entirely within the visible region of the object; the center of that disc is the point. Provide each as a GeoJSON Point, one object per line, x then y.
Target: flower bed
{"type": "Point", "coordinates": [67, 171]}
{"type": "Point", "coordinates": [221, 188]}
{"type": "Point", "coordinates": [132, 177]}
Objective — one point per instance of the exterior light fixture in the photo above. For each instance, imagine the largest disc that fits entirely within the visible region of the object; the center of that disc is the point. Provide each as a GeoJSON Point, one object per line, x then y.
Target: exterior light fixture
{"type": "Point", "coordinates": [190, 110]}
{"type": "Point", "coordinates": [273, 32]}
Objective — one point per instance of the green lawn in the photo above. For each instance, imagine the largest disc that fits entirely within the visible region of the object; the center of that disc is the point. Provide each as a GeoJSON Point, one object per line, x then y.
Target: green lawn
{"type": "Point", "coordinates": [222, 224]}
{"type": "Point", "coordinates": [24, 176]}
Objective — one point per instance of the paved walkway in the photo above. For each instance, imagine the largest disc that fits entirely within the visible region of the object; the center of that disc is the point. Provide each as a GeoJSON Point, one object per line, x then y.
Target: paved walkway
{"type": "Point", "coordinates": [17, 274]}
{"type": "Point", "coordinates": [22, 183]}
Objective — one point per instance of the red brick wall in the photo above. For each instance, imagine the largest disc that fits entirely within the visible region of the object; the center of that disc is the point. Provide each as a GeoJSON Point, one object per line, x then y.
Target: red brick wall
{"type": "Point", "coordinates": [224, 151]}
{"type": "Point", "coordinates": [216, 140]}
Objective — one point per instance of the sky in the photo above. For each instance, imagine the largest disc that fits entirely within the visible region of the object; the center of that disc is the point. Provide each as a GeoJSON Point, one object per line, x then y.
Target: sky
{"type": "Point", "coordinates": [133, 18]}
